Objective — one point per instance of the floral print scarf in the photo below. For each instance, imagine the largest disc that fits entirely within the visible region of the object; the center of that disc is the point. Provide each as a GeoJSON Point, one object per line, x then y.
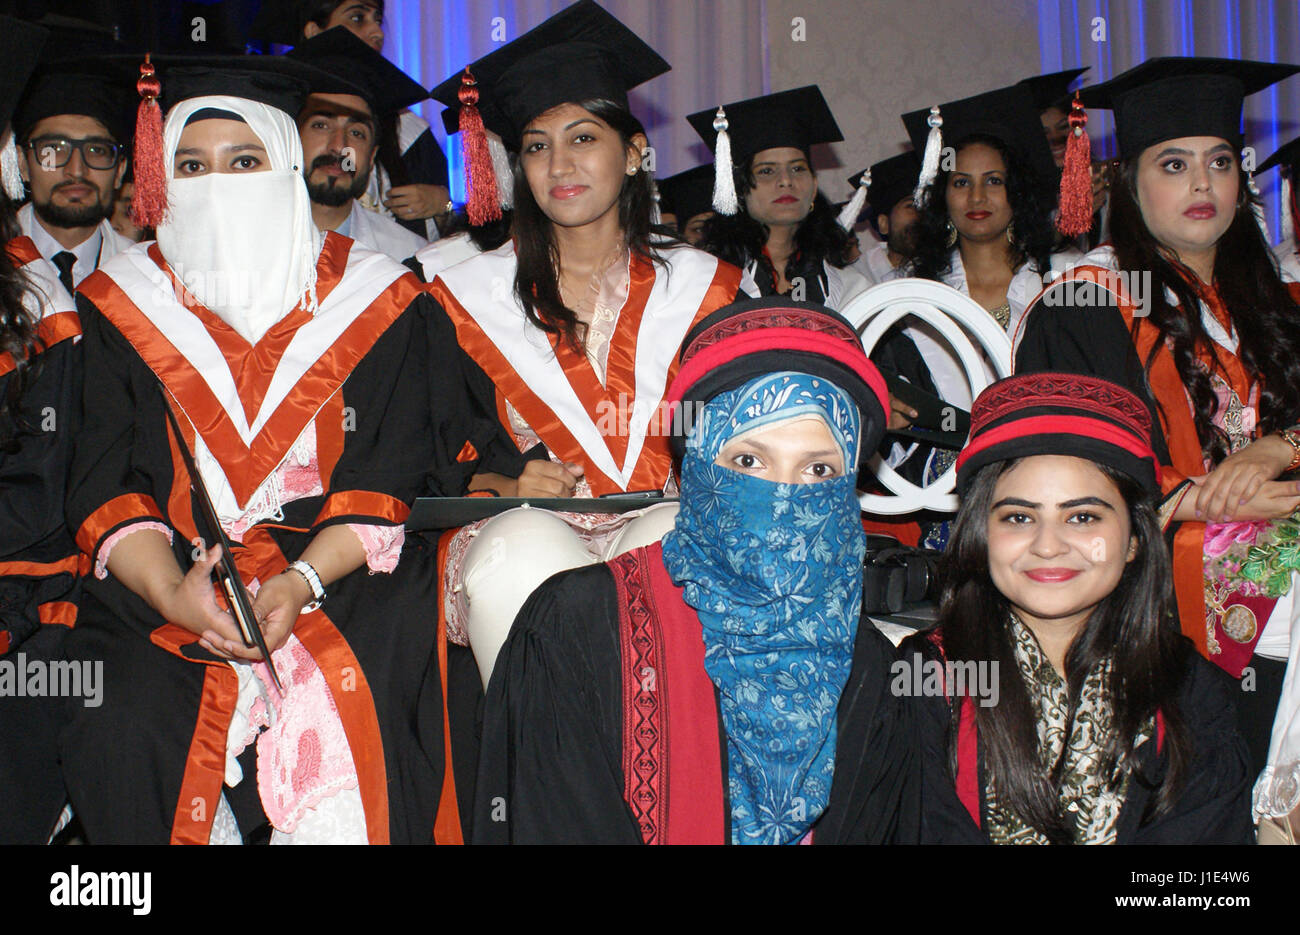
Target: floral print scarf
{"type": "Point", "coordinates": [775, 573]}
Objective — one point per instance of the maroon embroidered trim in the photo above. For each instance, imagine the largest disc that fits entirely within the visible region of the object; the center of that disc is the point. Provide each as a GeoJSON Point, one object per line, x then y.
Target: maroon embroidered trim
{"type": "Point", "coordinates": [769, 318]}
{"type": "Point", "coordinates": [1063, 392]}
{"type": "Point", "coordinates": [645, 778]}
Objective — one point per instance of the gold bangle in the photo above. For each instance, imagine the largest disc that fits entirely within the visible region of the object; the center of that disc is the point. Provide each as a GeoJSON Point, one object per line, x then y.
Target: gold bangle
{"type": "Point", "coordinates": [1291, 437]}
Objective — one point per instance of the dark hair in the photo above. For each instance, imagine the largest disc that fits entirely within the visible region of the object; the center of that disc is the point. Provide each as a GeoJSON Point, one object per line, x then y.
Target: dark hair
{"type": "Point", "coordinates": [18, 338]}
{"type": "Point", "coordinates": [320, 11]}
{"type": "Point", "coordinates": [1134, 625]}
{"type": "Point", "coordinates": [486, 236]}
{"type": "Point", "coordinates": [739, 239]}
{"type": "Point", "coordinates": [1031, 225]}
{"type": "Point", "coordinates": [536, 284]}
{"type": "Point", "coordinates": [1262, 310]}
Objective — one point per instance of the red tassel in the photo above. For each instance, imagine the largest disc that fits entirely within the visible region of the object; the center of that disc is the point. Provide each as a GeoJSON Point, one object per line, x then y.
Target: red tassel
{"type": "Point", "coordinates": [1075, 210]}
{"type": "Point", "coordinates": [484, 202]}
{"type": "Point", "coordinates": [149, 203]}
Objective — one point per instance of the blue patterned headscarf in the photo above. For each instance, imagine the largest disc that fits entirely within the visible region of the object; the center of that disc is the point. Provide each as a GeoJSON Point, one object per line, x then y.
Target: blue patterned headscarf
{"type": "Point", "coordinates": [775, 573]}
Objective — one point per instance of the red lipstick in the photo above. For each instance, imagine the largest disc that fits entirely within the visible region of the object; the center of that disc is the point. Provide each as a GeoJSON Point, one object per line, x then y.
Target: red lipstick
{"type": "Point", "coordinates": [1201, 212]}
{"type": "Point", "coordinates": [1051, 575]}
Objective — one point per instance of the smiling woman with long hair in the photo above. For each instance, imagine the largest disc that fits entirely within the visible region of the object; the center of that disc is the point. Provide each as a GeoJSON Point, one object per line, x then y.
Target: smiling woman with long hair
{"type": "Point", "coordinates": [1186, 308]}
{"type": "Point", "coordinates": [1103, 726]}
{"type": "Point", "coordinates": [572, 324]}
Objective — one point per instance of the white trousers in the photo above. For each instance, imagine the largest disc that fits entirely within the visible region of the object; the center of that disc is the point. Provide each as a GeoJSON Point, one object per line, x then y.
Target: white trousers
{"type": "Point", "coordinates": [519, 549]}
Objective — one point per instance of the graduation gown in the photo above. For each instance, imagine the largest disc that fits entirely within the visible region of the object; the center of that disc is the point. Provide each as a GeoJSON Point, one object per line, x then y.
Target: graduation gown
{"type": "Point", "coordinates": [1213, 808]}
{"type": "Point", "coordinates": [829, 285]}
{"type": "Point", "coordinates": [370, 370]}
{"type": "Point", "coordinates": [39, 563]}
{"type": "Point", "coordinates": [1086, 323]}
{"type": "Point", "coordinates": [617, 431]}
{"type": "Point", "coordinates": [601, 724]}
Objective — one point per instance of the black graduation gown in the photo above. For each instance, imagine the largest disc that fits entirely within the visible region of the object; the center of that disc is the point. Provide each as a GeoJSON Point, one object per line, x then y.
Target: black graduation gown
{"type": "Point", "coordinates": [551, 757]}
{"type": "Point", "coordinates": [146, 765]}
{"type": "Point", "coordinates": [38, 580]}
{"type": "Point", "coordinates": [1214, 807]}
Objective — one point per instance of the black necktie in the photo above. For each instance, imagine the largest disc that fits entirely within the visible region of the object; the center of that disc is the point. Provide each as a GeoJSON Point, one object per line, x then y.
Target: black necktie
{"type": "Point", "coordinates": [65, 261]}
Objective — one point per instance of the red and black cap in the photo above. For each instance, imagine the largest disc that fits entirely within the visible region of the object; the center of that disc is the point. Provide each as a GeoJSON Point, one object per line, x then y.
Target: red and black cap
{"type": "Point", "coordinates": [1060, 414]}
{"type": "Point", "coordinates": [1166, 98]}
{"type": "Point", "coordinates": [753, 337]}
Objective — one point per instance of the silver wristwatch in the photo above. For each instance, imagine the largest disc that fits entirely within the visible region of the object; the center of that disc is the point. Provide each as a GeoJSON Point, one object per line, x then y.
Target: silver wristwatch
{"type": "Point", "coordinates": [313, 581]}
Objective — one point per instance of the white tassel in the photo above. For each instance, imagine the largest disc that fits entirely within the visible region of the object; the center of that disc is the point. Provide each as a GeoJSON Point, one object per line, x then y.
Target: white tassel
{"type": "Point", "coordinates": [501, 169]}
{"type": "Point", "coordinates": [930, 162]}
{"type": "Point", "coordinates": [1257, 206]}
{"type": "Point", "coordinates": [1288, 228]}
{"type": "Point", "coordinates": [10, 176]}
{"type": "Point", "coordinates": [724, 182]}
{"type": "Point", "coordinates": [848, 218]}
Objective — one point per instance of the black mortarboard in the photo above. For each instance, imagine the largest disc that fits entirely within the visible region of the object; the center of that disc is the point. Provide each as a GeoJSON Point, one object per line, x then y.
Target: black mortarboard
{"type": "Point", "coordinates": [892, 180]}
{"type": "Point", "coordinates": [281, 21]}
{"type": "Point", "coordinates": [581, 53]}
{"type": "Point", "coordinates": [687, 194]}
{"type": "Point", "coordinates": [20, 49]}
{"type": "Point", "coordinates": [275, 80]}
{"type": "Point", "coordinates": [799, 118]}
{"type": "Point", "coordinates": [1287, 155]}
{"type": "Point", "coordinates": [1053, 88]}
{"type": "Point", "coordinates": [353, 67]}
{"type": "Point", "coordinates": [1166, 98]}
{"type": "Point", "coordinates": [1006, 114]}
{"type": "Point", "coordinates": [91, 88]}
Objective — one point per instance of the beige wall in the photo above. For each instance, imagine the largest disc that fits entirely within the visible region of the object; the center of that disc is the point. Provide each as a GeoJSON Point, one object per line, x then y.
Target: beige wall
{"type": "Point", "coordinates": [912, 53]}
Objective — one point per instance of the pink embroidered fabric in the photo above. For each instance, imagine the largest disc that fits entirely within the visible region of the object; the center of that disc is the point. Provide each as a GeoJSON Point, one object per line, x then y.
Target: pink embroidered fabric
{"type": "Point", "coordinates": [303, 757]}
{"type": "Point", "coordinates": [101, 562]}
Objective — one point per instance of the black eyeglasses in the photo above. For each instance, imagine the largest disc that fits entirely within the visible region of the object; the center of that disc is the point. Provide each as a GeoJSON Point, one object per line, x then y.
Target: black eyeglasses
{"type": "Point", "coordinates": [53, 152]}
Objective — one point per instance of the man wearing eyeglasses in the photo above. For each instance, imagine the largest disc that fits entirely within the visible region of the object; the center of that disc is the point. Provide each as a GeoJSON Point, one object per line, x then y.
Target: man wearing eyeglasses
{"type": "Point", "coordinates": [72, 130]}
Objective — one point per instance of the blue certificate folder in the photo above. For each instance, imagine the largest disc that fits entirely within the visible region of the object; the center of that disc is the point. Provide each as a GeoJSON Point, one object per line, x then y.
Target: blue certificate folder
{"type": "Point", "coordinates": [450, 512]}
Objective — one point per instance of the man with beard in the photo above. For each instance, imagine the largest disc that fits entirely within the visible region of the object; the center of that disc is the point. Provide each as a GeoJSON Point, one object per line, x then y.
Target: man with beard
{"type": "Point", "coordinates": [72, 129]}
{"type": "Point", "coordinates": [339, 141]}
{"type": "Point", "coordinates": [892, 214]}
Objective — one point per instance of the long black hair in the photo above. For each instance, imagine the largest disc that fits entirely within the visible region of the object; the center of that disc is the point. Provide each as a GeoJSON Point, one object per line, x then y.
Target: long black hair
{"type": "Point", "coordinates": [18, 339]}
{"type": "Point", "coordinates": [537, 284]}
{"type": "Point", "coordinates": [1134, 625]}
{"type": "Point", "coordinates": [1263, 313]}
{"type": "Point", "coordinates": [1031, 223]}
{"type": "Point", "coordinates": [739, 239]}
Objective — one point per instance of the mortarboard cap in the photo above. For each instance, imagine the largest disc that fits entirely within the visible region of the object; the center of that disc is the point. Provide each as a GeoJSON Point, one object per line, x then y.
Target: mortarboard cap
{"type": "Point", "coordinates": [581, 53]}
{"type": "Point", "coordinates": [1051, 89]}
{"type": "Point", "coordinates": [1166, 98]}
{"type": "Point", "coordinates": [1288, 154]}
{"type": "Point", "coordinates": [1005, 114]}
{"type": "Point", "coordinates": [350, 66]}
{"type": "Point", "coordinates": [20, 45]}
{"type": "Point", "coordinates": [892, 180]}
{"type": "Point", "coordinates": [799, 118]}
{"type": "Point", "coordinates": [275, 80]}
{"type": "Point", "coordinates": [687, 194]}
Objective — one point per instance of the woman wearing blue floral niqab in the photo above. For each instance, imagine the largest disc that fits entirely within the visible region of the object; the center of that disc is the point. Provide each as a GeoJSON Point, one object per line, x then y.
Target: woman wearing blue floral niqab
{"type": "Point", "coordinates": [717, 687]}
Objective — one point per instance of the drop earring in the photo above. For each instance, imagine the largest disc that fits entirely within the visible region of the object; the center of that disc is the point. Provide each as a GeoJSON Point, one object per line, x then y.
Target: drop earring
{"type": "Point", "coordinates": [952, 235]}
{"type": "Point", "coordinates": [1011, 234]}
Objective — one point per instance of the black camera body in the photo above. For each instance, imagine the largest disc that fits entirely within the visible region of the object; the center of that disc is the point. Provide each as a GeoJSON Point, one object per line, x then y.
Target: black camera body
{"type": "Point", "coordinates": [894, 574]}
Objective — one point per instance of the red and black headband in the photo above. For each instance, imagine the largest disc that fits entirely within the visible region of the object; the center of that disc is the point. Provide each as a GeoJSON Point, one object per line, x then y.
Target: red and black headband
{"type": "Point", "coordinates": [754, 337]}
{"type": "Point", "coordinates": [1060, 414]}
